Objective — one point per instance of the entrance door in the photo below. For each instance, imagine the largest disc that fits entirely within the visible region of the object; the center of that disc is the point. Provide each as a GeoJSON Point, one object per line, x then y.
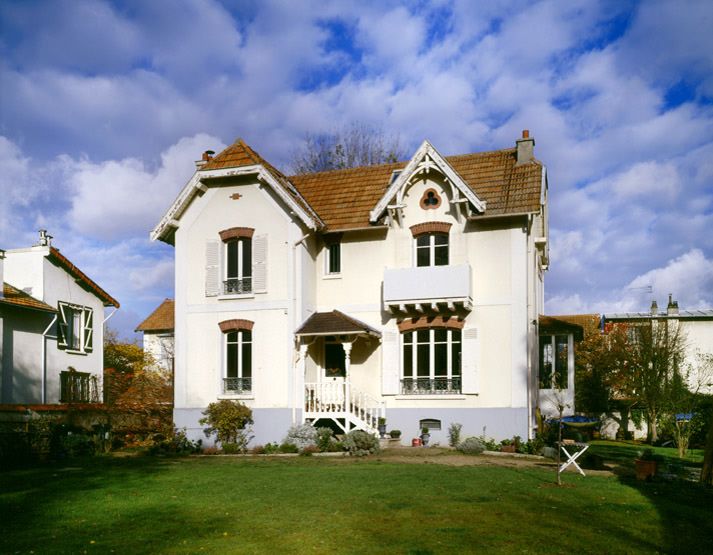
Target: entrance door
{"type": "Point", "coordinates": [335, 371]}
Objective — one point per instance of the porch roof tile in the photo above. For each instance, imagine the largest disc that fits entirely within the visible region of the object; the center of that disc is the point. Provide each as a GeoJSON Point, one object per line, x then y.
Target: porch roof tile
{"type": "Point", "coordinates": [334, 323]}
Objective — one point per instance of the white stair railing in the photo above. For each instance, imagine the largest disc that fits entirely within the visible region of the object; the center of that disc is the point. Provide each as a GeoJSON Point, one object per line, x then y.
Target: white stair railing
{"type": "Point", "coordinates": [338, 400]}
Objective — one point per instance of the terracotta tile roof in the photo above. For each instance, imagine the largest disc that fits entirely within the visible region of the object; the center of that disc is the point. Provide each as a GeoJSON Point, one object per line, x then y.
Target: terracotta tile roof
{"type": "Point", "coordinates": [578, 324]}
{"type": "Point", "coordinates": [62, 261]}
{"type": "Point", "coordinates": [160, 319]}
{"type": "Point", "coordinates": [16, 297]}
{"type": "Point", "coordinates": [335, 322]}
{"type": "Point", "coordinates": [344, 198]}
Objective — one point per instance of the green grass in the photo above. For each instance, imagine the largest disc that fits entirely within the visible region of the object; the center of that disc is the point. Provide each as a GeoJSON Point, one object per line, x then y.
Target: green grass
{"type": "Point", "coordinates": [624, 452]}
{"type": "Point", "coordinates": [315, 505]}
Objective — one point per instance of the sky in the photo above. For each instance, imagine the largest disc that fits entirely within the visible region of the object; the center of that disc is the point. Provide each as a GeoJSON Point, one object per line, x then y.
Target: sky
{"type": "Point", "coordinates": [105, 106]}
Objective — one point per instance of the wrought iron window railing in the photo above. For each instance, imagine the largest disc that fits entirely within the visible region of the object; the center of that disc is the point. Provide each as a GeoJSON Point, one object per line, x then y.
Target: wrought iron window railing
{"type": "Point", "coordinates": [237, 385]}
{"type": "Point", "coordinates": [76, 387]}
{"type": "Point", "coordinates": [237, 286]}
{"type": "Point", "coordinates": [430, 386]}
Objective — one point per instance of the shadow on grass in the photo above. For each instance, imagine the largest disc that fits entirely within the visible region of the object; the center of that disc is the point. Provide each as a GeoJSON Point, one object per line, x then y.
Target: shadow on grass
{"type": "Point", "coordinates": [684, 507]}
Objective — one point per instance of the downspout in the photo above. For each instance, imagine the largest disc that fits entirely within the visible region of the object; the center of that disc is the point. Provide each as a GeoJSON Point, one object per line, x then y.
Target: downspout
{"type": "Point", "coordinates": [293, 325]}
{"type": "Point", "coordinates": [44, 359]}
{"type": "Point", "coordinates": [529, 324]}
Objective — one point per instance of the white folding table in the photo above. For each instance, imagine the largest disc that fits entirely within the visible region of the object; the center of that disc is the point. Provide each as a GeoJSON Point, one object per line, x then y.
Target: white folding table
{"type": "Point", "coordinates": [573, 456]}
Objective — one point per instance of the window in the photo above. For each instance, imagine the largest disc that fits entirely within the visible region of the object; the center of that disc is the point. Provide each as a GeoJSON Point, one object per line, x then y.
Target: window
{"type": "Point", "coordinates": [238, 362]}
{"type": "Point", "coordinates": [76, 387]}
{"type": "Point", "coordinates": [431, 361]}
{"type": "Point", "coordinates": [238, 267]}
{"type": "Point", "coordinates": [334, 258]}
{"type": "Point", "coordinates": [432, 249]}
{"type": "Point", "coordinates": [554, 361]}
{"type": "Point", "coordinates": [430, 423]}
{"type": "Point", "coordinates": [75, 328]}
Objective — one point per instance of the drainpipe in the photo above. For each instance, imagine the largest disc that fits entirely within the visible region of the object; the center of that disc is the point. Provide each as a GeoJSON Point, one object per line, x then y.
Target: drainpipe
{"type": "Point", "coordinates": [44, 359]}
{"type": "Point", "coordinates": [293, 324]}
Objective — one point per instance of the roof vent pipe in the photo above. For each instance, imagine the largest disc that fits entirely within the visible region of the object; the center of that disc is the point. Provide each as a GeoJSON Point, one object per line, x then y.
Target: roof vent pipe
{"type": "Point", "coordinates": [672, 307]}
{"type": "Point", "coordinates": [525, 148]}
{"type": "Point", "coordinates": [208, 155]}
{"type": "Point", "coordinates": [654, 307]}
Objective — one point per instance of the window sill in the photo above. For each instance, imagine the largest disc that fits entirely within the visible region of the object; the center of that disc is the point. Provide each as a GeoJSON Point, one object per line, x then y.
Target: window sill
{"type": "Point", "coordinates": [73, 352]}
{"type": "Point", "coordinates": [332, 276]}
{"type": "Point", "coordinates": [430, 397]}
{"type": "Point", "coordinates": [234, 297]}
{"type": "Point", "coordinates": [242, 396]}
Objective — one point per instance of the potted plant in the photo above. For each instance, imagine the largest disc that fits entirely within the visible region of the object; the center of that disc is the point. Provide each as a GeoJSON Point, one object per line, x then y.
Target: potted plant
{"type": "Point", "coordinates": [507, 446]}
{"type": "Point", "coordinates": [425, 436]}
{"type": "Point", "coordinates": [646, 464]}
{"type": "Point", "coordinates": [395, 434]}
{"type": "Point", "coordinates": [382, 426]}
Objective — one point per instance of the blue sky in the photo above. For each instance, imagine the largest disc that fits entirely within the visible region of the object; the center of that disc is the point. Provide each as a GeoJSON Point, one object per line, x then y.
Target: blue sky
{"type": "Point", "coordinates": [104, 106]}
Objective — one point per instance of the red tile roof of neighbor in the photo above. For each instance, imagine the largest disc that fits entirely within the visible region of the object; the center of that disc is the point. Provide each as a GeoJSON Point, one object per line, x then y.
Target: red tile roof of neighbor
{"type": "Point", "coordinates": [85, 281]}
{"type": "Point", "coordinates": [15, 297]}
{"type": "Point", "coordinates": [343, 198]}
{"type": "Point", "coordinates": [160, 319]}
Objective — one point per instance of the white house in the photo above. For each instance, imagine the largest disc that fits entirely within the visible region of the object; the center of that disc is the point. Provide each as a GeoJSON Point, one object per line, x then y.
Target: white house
{"type": "Point", "coordinates": [51, 328]}
{"type": "Point", "coordinates": [409, 291]}
{"type": "Point", "coordinates": [157, 330]}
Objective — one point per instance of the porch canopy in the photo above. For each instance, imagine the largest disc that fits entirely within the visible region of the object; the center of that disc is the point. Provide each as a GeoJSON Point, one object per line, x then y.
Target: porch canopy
{"type": "Point", "coordinates": [555, 325]}
{"type": "Point", "coordinates": [334, 323]}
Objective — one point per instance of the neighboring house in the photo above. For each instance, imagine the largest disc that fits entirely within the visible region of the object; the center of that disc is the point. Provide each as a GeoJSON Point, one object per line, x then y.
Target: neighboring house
{"type": "Point", "coordinates": [157, 331]}
{"type": "Point", "coordinates": [409, 291]}
{"type": "Point", "coordinates": [51, 328]}
{"type": "Point", "coordinates": [559, 336]}
{"type": "Point", "coordinates": [696, 327]}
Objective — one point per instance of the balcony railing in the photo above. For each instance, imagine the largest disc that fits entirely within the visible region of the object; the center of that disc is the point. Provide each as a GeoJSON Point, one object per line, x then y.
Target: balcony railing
{"type": "Point", "coordinates": [430, 386]}
{"type": "Point", "coordinates": [77, 387]}
{"type": "Point", "coordinates": [238, 286]}
{"type": "Point", "coordinates": [237, 385]}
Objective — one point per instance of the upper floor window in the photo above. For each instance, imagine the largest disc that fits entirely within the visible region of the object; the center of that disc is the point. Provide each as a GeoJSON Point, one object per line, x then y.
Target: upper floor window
{"type": "Point", "coordinates": [431, 361]}
{"type": "Point", "coordinates": [554, 361]}
{"type": "Point", "coordinates": [238, 267]}
{"type": "Point", "coordinates": [432, 249]}
{"type": "Point", "coordinates": [75, 328]}
{"type": "Point", "coordinates": [334, 258]}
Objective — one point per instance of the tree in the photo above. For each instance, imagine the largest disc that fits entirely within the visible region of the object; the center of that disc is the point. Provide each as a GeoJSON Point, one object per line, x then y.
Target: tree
{"type": "Point", "coordinates": [657, 356]}
{"type": "Point", "coordinates": [227, 420]}
{"type": "Point", "coordinates": [348, 147]}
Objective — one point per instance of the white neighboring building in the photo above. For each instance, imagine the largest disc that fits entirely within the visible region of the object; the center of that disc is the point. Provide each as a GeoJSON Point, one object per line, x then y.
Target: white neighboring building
{"type": "Point", "coordinates": [409, 291]}
{"type": "Point", "coordinates": [157, 331]}
{"type": "Point", "coordinates": [51, 328]}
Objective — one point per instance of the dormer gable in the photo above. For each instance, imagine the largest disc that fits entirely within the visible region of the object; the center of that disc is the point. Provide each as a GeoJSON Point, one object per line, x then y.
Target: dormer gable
{"type": "Point", "coordinates": [426, 160]}
{"type": "Point", "coordinates": [239, 159]}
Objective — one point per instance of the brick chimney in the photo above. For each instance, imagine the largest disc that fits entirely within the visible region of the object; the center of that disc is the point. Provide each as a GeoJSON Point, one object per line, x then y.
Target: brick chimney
{"type": "Point", "coordinates": [654, 307]}
{"type": "Point", "coordinates": [525, 148]}
{"type": "Point", "coordinates": [45, 240]}
{"type": "Point", "coordinates": [206, 157]}
{"type": "Point", "coordinates": [672, 308]}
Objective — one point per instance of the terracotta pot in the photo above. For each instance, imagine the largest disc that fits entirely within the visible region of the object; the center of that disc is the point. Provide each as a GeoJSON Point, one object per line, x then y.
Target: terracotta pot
{"type": "Point", "coordinates": [416, 442]}
{"type": "Point", "coordinates": [645, 469]}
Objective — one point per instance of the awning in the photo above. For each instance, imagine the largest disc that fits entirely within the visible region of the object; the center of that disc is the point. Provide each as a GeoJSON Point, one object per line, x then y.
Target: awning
{"type": "Point", "coordinates": [334, 323]}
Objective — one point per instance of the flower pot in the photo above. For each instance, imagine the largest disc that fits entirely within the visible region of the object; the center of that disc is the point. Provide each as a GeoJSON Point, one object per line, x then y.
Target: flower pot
{"type": "Point", "coordinates": [416, 442]}
{"type": "Point", "coordinates": [425, 438]}
{"type": "Point", "coordinates": [645, 470]}
{"type": "Point", "coordinates": [382, 430]}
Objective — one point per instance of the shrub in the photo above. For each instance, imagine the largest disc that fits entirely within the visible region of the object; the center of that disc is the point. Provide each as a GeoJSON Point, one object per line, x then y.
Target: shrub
{"type": "Point", "coordinates": [77, 444]}
{"type": "Point", "coordinates": [471, 446]}
{"type": "Point", "coordinates": [231, 448]}
{"type": "Point", "coordinates": [454, 434]}
{"type": "Point", "coordinates": [289, 448]}
{"type": "Point", "coordinates": [309, 451]}
{"type": "Point", "coordinates": [361, 443]}
{"type": "Point", "coordinates": [177, 444]}
{"type": "Point", "coordinates": [301, 435]}
{"type": "Point", "coordinates": [272, 448]}
{"type": "Point", "coordinates": [324, 439]}
{"type": "Point", "coordinates": [335, 446]}
{"type": "Point", "coordinates": [227, 420]}
{"type": "Point", "coordinates": [395, 434]}
{"type": "Point", "coordinates": [258, 450]}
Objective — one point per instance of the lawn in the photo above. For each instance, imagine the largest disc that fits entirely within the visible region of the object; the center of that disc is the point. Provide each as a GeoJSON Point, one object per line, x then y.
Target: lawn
{"type": "Point", "coordinates": [318, 505]}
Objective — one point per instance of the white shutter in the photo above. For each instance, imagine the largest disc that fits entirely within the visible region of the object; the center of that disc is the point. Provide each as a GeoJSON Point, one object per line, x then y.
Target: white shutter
{"type": "Point", "coordinates": [260, 264]}
{"type": "Point", "coordinates": [390, 367]}
{"type": "Point", "coordinates": [62, 326]}
{"type": "Point", "coordinates": [212, 268]}
{"type": "Point", "coordinates": [88, 329]}
{"type": "Point", "coordinates": [470, 354]}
